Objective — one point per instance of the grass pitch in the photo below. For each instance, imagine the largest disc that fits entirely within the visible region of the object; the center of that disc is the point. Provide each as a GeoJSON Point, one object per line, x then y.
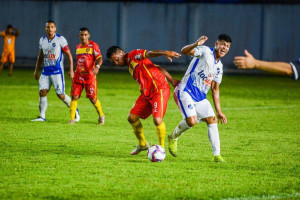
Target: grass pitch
{"type": "Point", "coordinates": [55, 160]}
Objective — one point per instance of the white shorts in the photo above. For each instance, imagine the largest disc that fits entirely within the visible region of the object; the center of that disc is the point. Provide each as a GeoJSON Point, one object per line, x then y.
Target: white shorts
{"type": "Point", "coordinates": [188, 107]}
{"type": "Point", "coordinates": [56, 79]}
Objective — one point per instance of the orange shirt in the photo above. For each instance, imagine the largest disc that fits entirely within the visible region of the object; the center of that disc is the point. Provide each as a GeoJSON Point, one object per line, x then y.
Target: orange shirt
{"type": "Point", "coordinates": [9, 42]}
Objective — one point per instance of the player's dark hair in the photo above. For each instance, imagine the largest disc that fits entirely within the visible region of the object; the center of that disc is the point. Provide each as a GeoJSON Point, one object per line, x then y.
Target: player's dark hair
{"type": "Point", "coordinates": [111, 50]}
{"type": "Point", "coordinates": [84, 29]}
{"type": "Point", "coordinates": [9, 26]}
{"type": "Point", "coordinates": [224, 37]}
{"type": "Point", "coordinates": [51, 21]}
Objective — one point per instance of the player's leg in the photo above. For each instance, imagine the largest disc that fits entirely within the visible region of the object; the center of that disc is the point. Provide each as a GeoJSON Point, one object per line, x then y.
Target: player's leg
{"type": "Point", "coordinates": [91, 93]}
{"type": "Point", "coordinates": [3, 60]}
{"type": "Point", "coordinates": [11, 59]}
{"type": "Point", "coordinates": [44, 86]}
{"type": "Point", "coordinates": [76, 90]}
{"type": "Point", "coordinates": [159, 104]}
{"type": "Point", "coordinates": [206, 114]}
{"type": "Point", "coordinates": [1, 66]}
{"type": "Point", "coordinates": [141, 109]}
{"type": "Point", "coordinates": [59, 84]}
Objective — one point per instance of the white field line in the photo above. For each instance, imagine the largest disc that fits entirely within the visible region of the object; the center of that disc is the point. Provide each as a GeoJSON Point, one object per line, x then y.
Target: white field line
{"type": "Point", "coordinates": [87, 105]}
{"type": "Point", "coordinates": [280, 196]}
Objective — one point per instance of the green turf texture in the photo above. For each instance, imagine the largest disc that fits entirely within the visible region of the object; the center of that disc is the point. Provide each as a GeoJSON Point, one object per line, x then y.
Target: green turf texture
{"type": "Point", "coordinates": [55, 160]}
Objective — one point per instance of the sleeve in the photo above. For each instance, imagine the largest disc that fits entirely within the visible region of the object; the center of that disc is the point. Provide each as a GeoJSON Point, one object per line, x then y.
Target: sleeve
{"type": "Point", "coordinates": [218, 77]}
{"type": "Point", "coordinates": [97, 52]}
{"type": "Point", "coordinates": [64, 44]}
{"type": "Point", "coordinates": [140, 54]}
{"type": "Point", "coordinates": [296, 69]}
{"type": "Point", "coordinates": [40, 44]}
{"type": "Point", "coordinates": [199, 51]}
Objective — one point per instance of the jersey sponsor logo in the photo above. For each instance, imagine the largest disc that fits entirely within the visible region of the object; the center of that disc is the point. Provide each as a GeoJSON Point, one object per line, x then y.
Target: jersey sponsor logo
{"type": "Point", "coordinates": [49, 55]}
{"type": "Point", "coordinates": [138, 57]}
{"type": "Point", "coordinates": [90, 45]}
{"type": "Point", "coordinates": [9, 41]}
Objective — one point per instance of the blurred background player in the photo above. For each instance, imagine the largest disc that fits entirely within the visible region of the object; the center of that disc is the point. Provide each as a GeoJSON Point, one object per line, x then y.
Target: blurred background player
{"type": "Point", "coordinates": [8, 55]}
{"type": "Point", "coordinates": [52, 46]}
{"type": "Point", "coordinates": [291, 69]}
{"type": "Point", "coordinates": [154, 88]}
{"type": "Point", "coordinates": [204, 71]}
{"type": "Point", "coordinates": [89, 60]}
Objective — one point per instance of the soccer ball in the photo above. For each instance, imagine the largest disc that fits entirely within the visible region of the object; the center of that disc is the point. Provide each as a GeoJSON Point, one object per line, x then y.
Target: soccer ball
{"type": "Point", "coordinates": [156, 153]}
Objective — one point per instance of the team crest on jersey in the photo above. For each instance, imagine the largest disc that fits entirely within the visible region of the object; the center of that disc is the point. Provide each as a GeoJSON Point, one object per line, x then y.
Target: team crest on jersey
{"type": "Point", "coordinates": [139, 56]}
{"type": "Point", "coordinates": [53, 44]}
{"type": "Point", "coordinates": [87, 50]}
{"type": "Point", "coordinates": [190, 106]}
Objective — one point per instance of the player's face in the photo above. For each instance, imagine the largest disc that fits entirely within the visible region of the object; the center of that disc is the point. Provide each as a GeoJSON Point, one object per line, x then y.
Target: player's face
{"type": "Point", "coordinates": [84, 37]}
{"type": "Point", "coordinates": [50, 29]}
{"type": "Point", "coordinates": [118, 58]}
{"type": "Point", "coordinates": [9, 30]}
{"type": "Point", "coordinates": [221, 48]}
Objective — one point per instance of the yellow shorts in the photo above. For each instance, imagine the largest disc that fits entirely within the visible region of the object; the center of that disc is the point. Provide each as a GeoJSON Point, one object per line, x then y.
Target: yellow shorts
{"type": "Point", "coordinates": [8, 57]}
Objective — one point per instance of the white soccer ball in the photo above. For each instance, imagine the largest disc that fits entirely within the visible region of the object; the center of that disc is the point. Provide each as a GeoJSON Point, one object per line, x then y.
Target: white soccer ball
{"type": "Point", "coordinates": [156, 153]}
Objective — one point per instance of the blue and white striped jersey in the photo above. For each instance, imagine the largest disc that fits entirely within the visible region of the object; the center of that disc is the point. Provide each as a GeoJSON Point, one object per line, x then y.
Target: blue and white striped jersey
{"type": "Point", "coordinates": [53, 54]}
{"type": "Point", "coordinates": [203, 69]}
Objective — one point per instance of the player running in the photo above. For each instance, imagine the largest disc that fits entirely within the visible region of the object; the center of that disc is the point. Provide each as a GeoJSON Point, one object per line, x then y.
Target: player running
{"type": "Point", "coordinates": [89, 60]}
{"type": "Point", "coordinates": [154, 88]}
{"type": "Point", "coordinates": [52, 46]}
{"type": "Point", "coordinates": [204, 71]}
{"type": "Point", "coordinates": [8, 55]}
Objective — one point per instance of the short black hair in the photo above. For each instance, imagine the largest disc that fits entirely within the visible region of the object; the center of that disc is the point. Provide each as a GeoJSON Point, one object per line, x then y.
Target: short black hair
{"type": "Point", "coordinates": [9, 26]}
{"type": "Point", "coordinates": [51, 21]}
{"type": "Point", "coordinates": [111, 50]}
{"type": "Point", "coordinates": [84, 29]}
{"type": "Point", "coordinates": [224, 37]}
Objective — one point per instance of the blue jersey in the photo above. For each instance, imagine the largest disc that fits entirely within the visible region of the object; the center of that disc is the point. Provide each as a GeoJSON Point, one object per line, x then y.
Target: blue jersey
{"type": "Point", "coordinates": [53, 54]}
{"type": "Point", "coordinates": [203, 69]}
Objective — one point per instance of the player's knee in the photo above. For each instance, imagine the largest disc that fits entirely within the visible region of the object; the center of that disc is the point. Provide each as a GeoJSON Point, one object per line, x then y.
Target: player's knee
{"type": "Point", "coordinates": [211, 120]}
{"type": "Point", "coordinates": [43, 93]}
{"type": "Point", "coordinates": [93, 101]}
{"type": "Point", "coordinates": [191, 121]}
{"type": "Point", "coordinates": [132, 119]}
{"type": "Point", "coordinates": [157, 121]}
{"type": "Point", "coordinates": [75, 98]}
{"type": "Point", "coordinates": [61, 96]}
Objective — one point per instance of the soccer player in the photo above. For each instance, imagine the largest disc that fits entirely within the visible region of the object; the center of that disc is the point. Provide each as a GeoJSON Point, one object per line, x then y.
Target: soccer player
{"type": "Point", "coordinates": [291, 69]}
{"type": "Point", "coordinates": [154, 88]}
{"type": "Point", "coordinates": [205, 71]}
{"type": "Point", "coordinates": [9, 35]}
{"type": "Point", "coordinates": [52, 46]}
{"type": "Point", "coordinates": [89, 60]}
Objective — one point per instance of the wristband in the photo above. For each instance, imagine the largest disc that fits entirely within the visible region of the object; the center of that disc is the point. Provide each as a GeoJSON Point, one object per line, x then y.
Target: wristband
{"type": "Point", "coordinates": [98, 66]}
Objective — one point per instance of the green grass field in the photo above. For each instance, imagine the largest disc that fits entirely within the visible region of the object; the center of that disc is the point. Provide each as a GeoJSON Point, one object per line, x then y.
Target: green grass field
{"type": "Point", "coordinates": [55, 160]}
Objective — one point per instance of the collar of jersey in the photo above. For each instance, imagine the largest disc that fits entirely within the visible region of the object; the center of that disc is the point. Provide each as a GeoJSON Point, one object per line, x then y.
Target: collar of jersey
{"type": "Point", "coordinates": [51, 39]}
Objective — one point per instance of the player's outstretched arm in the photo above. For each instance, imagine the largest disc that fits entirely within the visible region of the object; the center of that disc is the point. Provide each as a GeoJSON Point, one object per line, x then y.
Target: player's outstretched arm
{"type": "Point", "coordinates": [249, 62]}
{"type": "Point", "coordinates": [38, 64]}
{"type": "Point", "coordinates": [189, 49]}
{"type": "Point", "coordinates": [173, 81]}
{"type": "Point", "coordinates": [216, 98]}
{"type": "Point", "coordinates": [157, 53]}
{"type": "Point", "coordinates": [98, 63]}
{"type": "Point", "coordinates": [70, 60]}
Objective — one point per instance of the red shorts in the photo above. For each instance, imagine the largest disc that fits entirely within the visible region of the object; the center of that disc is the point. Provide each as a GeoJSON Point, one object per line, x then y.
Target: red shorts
{"type": "Point", "coordinates": [156, 105]}
{"type": "Point", "coordinates": [91, 89]}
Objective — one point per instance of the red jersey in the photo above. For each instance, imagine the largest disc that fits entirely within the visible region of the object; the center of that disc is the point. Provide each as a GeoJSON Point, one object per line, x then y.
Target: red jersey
{"type": "Point", "coordinates": [86, 55]}
{"type": "Point", "coordinates": [149, 77]}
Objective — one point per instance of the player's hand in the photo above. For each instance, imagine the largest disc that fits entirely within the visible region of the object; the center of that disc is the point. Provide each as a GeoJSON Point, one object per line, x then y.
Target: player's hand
{"type": "Point", "coordinates": [95, 70]}
{"type": "Point", "coordinates": [175, 82]}
{"type": "Point", "coordinates": [36, 75]}
{"type": "Point", "coordinates": [245, 62]}
{"type": "Point", "coordinates": [221, 118]}
{"type": "Point", "coordinates": [172, 54]}
{"type": "Point", "coordinates": [201, 40]}
{"type": "Point", "coordinates": [71, 74]}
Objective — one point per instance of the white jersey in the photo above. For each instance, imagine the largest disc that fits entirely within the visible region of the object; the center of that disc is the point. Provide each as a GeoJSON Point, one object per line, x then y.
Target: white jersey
{"type": "Point", "coordinates": [203, 69]}
{"type": "Point", "coordinates": [53, 54]}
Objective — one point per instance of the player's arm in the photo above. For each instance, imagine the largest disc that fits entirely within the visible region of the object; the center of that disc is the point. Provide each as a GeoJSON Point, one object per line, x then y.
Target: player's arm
{"type": "Point", "coordinates": [16, 32]}
{"type": "Point", "coordinates": [173, 81]}
{"type": "Point", "coordinates": [38, 64]}
{"type": "Point", "coordinates": [98, 64]}
{"type": "Point", "coordinates": [189, 49]}
{"type": "Point", "coordinates": [2, 33]}
{"type": "Point", "coordinates": [249, 62]}
{"type": "Point", "coordinates": [68, 53]}
{"type": "Point", "coordinates": [157, 53]}
{"type": "Point", "coordinates": [216, 98]}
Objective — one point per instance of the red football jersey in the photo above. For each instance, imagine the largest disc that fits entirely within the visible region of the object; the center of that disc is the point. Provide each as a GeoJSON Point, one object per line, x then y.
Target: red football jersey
{"type": "Point", "coordinates": [86, 55]}
{"type": "Point", "coordinates": [149, 77]}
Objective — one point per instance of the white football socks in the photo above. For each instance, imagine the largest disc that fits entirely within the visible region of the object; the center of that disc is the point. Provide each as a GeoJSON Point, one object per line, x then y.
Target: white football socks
{"type": "Point", "coordinates": [213, 135]}
{"type": "Point", "coordinates": [180, 128]}
{"type": "Point", "coordinates": [67, 100]}
{"type": "Point", "coordinates": [43, 106]}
